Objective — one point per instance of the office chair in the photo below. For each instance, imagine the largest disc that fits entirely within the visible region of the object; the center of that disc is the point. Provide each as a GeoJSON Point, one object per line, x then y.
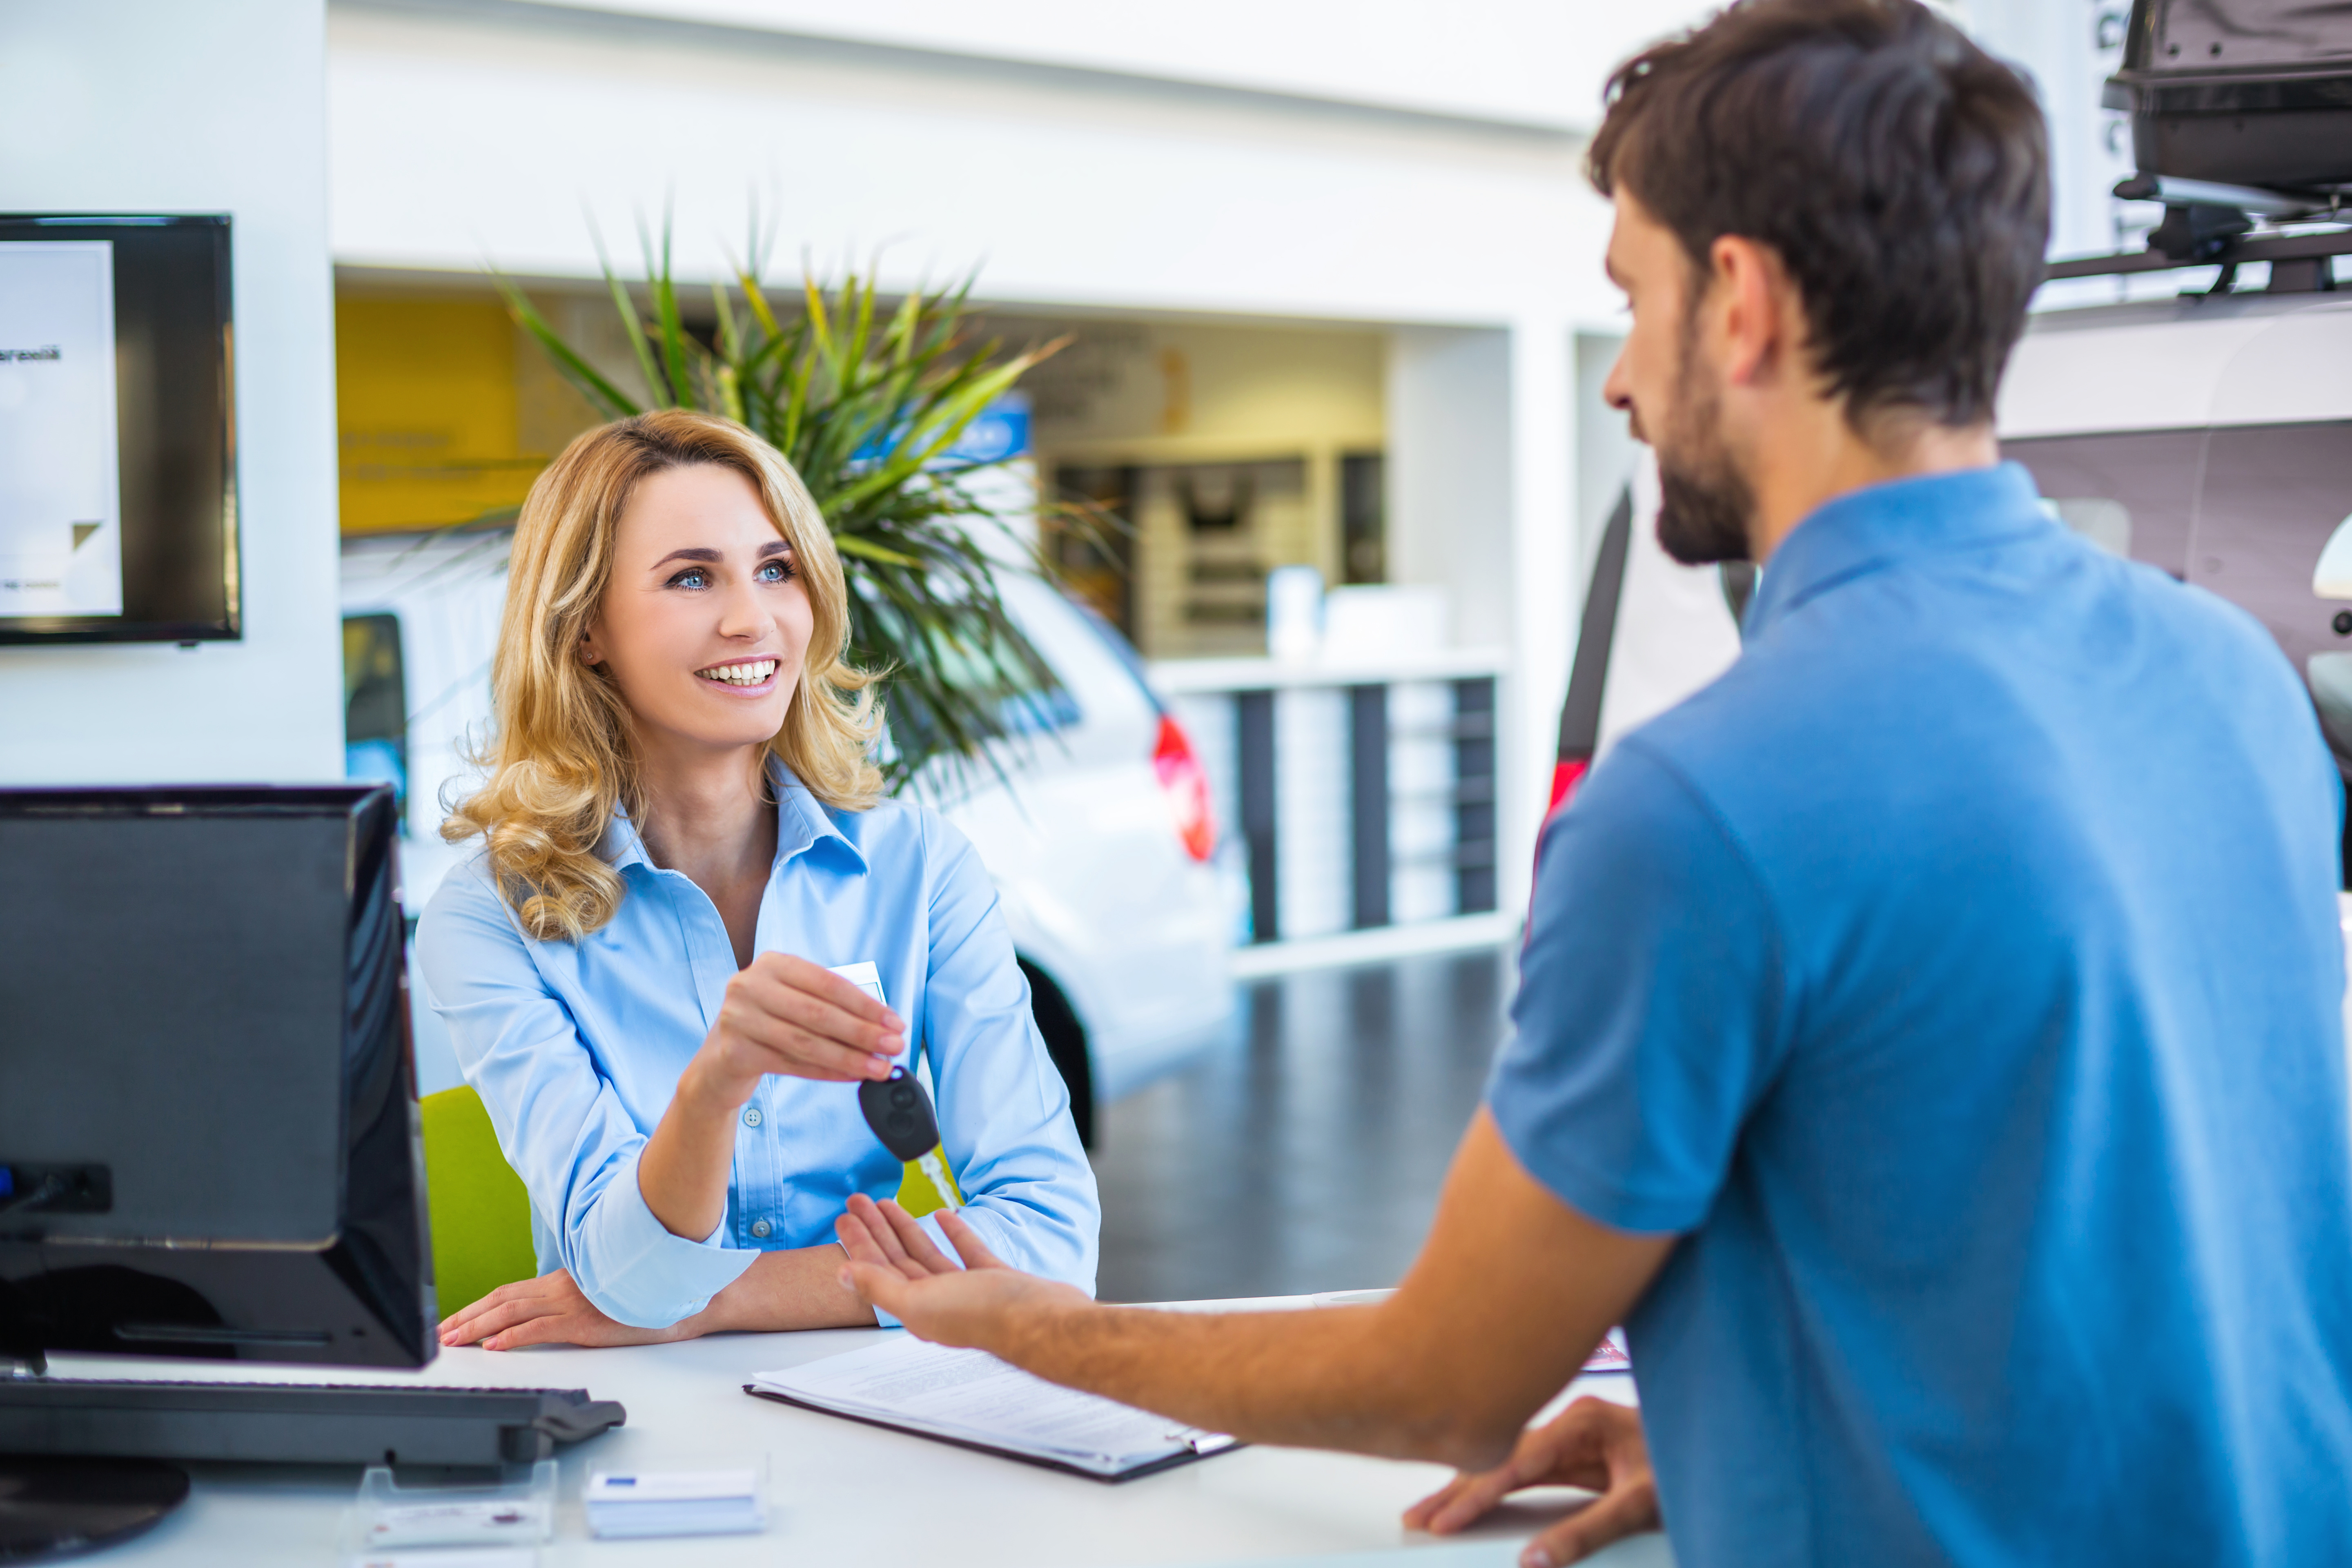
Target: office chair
{"type": "Point", "coordinates": [481, 1213]}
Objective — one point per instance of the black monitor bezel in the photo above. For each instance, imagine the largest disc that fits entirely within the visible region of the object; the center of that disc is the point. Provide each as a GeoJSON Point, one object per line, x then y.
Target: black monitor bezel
{"type": "Point", "coordinates": [45, 630]}
{"type": "Point", "coordinates": [363, 1296]}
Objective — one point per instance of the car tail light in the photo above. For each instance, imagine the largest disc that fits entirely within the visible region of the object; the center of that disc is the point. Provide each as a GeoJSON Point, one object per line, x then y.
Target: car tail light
{"type": "Point", "coordinates": [1187, 785]}
{"type": "Point", "coordinates": [1565, 776]}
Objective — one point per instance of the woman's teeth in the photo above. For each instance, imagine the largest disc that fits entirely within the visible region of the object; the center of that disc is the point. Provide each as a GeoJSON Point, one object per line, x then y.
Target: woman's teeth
{"type": "Point", "coordinates": [750, 674]}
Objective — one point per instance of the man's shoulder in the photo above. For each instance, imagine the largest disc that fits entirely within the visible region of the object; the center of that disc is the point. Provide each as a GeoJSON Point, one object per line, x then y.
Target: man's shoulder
{"type": "Point", "coordinates": [1873, 652]}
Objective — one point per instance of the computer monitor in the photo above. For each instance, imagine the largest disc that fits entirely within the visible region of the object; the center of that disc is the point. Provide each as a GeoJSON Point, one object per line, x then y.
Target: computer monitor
{"type": "Point", "coordinates": [208, 1134]}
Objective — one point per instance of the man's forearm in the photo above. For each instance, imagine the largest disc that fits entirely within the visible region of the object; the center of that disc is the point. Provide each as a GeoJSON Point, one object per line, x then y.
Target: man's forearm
{"type": "Point", "coordinates": [1510, 1294]}
{"type": "Point", "coordinates": [1355, 1378]}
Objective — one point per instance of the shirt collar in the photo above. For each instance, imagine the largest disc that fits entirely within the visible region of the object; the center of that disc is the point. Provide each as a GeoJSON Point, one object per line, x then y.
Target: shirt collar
{"type": "Point", "coordinates": [801, 824]}
{"type": "Point", "coordinates": [1876, 526]}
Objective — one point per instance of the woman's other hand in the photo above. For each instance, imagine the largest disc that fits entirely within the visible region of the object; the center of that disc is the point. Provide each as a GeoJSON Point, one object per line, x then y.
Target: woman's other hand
{"type": "Point", "coordinates": [784, 1015]}
{"type": "Point", "coordinates": [1594, 1445]}
{"type": "Point", "coordinates": [547, 1310]}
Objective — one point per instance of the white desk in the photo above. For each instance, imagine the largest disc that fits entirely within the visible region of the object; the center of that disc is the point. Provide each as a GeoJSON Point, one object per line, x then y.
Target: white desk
{"type": "Point", "coordinates": [851, 1494]}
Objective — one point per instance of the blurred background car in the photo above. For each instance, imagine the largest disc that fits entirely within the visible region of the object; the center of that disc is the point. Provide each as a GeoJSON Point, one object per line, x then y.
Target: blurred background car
{"type": "Point", "coordinates": [1095, 821]}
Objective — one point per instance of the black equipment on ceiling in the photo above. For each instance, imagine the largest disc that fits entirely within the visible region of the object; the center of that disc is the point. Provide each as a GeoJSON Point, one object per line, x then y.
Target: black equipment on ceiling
{"type": "Point", "coordinates": [2244, 92]}
{"type": "Point", "coordinates": [2242, 124]}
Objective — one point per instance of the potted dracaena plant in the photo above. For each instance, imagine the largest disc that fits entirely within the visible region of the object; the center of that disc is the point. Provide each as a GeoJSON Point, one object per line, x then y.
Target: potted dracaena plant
{"type": "Point", "coordinates": [867, 400]}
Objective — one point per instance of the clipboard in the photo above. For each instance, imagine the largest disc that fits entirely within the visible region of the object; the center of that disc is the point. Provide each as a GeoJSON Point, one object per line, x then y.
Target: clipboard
{"type": "Point", "coordinates": [1151, 1467]}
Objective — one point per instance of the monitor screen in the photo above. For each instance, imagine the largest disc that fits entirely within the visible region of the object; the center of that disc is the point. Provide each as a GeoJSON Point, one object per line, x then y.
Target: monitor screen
{"type": "Point", "coordinates": [208, 1137]}
{"type": "Point", "coordinates": [118, 469]}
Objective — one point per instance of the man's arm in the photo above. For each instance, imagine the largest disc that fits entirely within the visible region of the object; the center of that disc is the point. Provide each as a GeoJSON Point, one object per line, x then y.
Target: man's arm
{"type": "Point", "coordinates": [1510, 1294]}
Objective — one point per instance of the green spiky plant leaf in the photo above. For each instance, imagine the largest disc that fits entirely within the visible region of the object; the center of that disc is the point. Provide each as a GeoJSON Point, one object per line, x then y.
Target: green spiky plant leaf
{"type": "Point", "coordinates": [867, 403]}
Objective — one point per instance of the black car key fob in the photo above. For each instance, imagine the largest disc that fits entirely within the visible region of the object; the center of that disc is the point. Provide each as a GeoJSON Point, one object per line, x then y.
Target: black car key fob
{"type": "Point", "coordinates": [900, 1114]}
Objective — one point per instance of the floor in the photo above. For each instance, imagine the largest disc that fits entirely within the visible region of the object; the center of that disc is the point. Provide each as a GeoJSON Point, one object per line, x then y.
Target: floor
{"type": "Point", "coordinates": [1307, 1154]}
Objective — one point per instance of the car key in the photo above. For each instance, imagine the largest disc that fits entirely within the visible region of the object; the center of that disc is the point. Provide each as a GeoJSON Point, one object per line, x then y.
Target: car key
{"type": "Point", "coordinates": [898, 1108]}
{"type": "Point", "coordinates": [900, 1114]}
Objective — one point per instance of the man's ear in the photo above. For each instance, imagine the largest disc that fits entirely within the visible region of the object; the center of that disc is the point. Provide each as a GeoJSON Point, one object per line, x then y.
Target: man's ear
{"type": "Point", "coordinates": [1755, 309]}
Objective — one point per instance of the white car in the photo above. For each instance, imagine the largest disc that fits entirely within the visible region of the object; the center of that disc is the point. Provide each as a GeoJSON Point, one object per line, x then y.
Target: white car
{"type": "Point", "coordinates": [1102, 847]}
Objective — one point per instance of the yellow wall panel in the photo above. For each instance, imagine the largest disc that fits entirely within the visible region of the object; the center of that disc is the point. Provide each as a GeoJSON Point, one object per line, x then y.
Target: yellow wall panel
{"type": "Point", "coordinates": [427, 395]}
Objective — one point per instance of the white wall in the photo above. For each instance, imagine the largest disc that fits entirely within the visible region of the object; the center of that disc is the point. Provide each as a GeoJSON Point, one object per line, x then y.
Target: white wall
{"type": "Point", "coordinates": [459, 141]}
{"type": "Point", "coordinates": [157, 105]}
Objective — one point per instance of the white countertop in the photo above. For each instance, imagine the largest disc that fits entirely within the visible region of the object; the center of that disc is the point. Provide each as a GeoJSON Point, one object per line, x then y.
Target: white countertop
{"type": "Point", "coordinates": [848, 1494]}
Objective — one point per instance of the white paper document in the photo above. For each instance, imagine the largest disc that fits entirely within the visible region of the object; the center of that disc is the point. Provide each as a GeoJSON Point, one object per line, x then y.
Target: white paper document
{"type": "Point", "coordinates": [60, 523]}
{"type": "Point", "coordinates": [969, 1396]}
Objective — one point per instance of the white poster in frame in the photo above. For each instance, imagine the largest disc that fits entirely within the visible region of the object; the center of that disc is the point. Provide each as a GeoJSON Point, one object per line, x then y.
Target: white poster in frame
{"type": "Point", "coordinates": [60, 509]}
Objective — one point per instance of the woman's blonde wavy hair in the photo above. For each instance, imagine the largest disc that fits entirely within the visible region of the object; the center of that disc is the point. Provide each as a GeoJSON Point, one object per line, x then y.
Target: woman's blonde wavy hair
{"type": "Point", "coordinates": [559, 763]}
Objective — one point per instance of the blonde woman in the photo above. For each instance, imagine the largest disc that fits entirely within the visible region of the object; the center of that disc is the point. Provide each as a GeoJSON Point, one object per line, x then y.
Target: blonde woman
{"type": "Point", "coordinates": [681, 836]}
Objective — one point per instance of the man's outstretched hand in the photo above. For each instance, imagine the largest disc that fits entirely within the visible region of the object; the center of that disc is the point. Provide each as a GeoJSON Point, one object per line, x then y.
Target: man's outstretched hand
{"type": "Point", "coordinates": [1594, 1445]}
{"type": "Point", "coordinates": [894, 1268]}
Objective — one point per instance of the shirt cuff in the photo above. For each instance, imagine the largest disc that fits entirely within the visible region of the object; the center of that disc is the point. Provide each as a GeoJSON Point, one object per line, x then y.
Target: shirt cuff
{"type": "Point", "coordinates": [636, 1272]}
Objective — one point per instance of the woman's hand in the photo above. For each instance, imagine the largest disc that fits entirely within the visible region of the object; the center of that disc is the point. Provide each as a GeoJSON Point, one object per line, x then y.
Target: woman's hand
{"type": "Point", "coordinates": [781, 1014]}
{"type": "Point", "coordinates": [1594, 1445]}
{"type": "Point", "coordinates": [784, 1015]}
{"type": "Point", "coordinates": [547, 1310]}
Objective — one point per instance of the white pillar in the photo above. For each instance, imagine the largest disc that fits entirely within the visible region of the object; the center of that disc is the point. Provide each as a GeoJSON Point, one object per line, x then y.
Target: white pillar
{"type": "Point", "coordinates": [1546, 571]}
{"type": "Point", "coordinates": [1482, 503]}
{"type": "Point", "coordinates": [1449, 472]}
{"type": "Point", "coordinates": [156, 106]}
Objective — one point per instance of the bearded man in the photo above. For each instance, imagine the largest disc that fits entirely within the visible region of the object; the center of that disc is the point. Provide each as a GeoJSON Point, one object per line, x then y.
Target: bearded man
{"type": "Point", "coordinates": [1928, 1041]}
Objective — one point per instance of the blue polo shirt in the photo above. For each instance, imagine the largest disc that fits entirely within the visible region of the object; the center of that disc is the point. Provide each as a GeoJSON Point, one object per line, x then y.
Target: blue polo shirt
{"type": "Point", "coordinates": [1959, 976]}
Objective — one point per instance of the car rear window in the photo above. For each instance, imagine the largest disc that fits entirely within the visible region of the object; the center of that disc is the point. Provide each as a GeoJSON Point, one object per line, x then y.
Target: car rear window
{"type": "Point", "coordinates": [375, 703]}
{"type": "Point", "coordinates": [2138, 490]}
{"type": "Point", "coordinates": [2244, 511]}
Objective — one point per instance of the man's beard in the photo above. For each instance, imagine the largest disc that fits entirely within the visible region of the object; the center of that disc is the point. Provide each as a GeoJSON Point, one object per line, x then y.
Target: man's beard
{"type": "Point", "coordinates": [1704, 500]}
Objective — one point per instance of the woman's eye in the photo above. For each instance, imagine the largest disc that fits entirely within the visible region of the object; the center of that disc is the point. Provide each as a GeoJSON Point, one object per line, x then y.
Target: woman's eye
{"type": "Point", "coordinates": [776, 571]}
{"type": "Point", "coordinates": [692, 577]}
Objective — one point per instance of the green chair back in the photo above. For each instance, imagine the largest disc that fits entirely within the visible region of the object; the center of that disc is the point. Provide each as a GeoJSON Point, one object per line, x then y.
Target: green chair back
{"type": "Point", "coordinates": [481, 1213]}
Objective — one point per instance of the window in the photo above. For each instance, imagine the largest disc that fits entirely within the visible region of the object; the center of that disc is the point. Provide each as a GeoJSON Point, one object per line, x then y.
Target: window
{"type": "Point", "coordinates": [2137, 489]}
{"type": "Point", "coordinates": [2248, 512]}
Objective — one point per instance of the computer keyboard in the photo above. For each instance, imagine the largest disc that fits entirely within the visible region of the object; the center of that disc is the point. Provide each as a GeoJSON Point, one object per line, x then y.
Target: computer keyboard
{"type": "Point", "coordinates": [297, 1423]}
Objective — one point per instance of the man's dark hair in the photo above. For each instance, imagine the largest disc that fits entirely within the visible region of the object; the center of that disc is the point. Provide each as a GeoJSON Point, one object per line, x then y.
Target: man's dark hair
{"type": "Point", "coordinates": [1901, 174]}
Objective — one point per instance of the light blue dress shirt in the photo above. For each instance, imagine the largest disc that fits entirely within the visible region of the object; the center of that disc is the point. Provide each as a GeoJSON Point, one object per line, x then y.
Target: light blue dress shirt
{"type": "Point", "coordinates": [576, 1050]}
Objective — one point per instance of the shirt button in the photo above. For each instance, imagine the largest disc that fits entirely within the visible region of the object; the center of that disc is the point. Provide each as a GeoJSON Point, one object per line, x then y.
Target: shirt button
{"type": "Point", "coordinates": [759, 1228]}
{"type": "Point", "coordinates": [751, 1116]}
